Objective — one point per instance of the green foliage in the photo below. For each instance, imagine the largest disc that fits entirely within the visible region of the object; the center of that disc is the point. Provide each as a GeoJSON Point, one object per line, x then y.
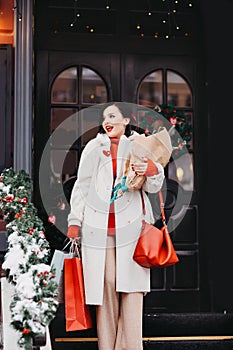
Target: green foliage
{"type": "Point", "coordinates": [35, 300]}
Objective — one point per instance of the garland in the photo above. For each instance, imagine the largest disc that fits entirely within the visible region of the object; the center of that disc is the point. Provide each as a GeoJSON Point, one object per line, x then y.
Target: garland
{"type": "Point", "coordinates": [35, 300]}
{"type": "Point", "coordinates": [177, 120]}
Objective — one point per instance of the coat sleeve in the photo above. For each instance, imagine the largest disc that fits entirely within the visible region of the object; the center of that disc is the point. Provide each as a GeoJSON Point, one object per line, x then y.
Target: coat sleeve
{"type": "Point", "coordinates": [154, 183]}
{"type": "Point", "coordinates": [81, 186]}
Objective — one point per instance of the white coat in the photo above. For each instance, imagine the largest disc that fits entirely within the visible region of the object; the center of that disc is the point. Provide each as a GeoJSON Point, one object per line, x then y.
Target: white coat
{"type": "Point", "coordinates": [90, 202]}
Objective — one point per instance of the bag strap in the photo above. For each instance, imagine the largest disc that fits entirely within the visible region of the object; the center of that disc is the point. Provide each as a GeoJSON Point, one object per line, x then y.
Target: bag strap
{"type": "Point", "coordinates": [161, 206]}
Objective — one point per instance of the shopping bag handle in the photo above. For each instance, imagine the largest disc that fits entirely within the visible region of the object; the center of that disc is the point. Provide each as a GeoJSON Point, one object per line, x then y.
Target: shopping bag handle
{"type": "Point", "coordinates": [75, 247]}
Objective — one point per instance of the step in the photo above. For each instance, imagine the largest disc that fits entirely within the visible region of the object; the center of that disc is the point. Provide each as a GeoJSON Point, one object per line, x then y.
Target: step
{"type": "Point", "coordinates": [161, 331]}
{"type": "Point", "coordinates": [153, 344]}
{"type": "Point", "coordinates": [178, 324]}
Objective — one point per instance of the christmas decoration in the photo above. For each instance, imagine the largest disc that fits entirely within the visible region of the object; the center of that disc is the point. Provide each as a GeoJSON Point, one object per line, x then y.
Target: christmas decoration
{"type": "Point", "coordinates": [179, 128]}
{"type": "Point", "coordinates": [35, 300]}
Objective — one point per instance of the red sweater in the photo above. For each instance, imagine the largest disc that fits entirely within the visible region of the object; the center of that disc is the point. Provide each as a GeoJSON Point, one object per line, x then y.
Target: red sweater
{"type": "Point", "coordinates": [111, 217]}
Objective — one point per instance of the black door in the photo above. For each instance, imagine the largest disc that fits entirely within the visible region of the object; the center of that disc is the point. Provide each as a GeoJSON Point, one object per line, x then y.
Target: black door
{"type": "Point", "coordinates": [69, 83]}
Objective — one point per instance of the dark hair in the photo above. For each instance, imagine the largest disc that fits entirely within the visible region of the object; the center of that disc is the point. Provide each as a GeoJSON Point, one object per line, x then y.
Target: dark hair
{"type": "Point", "coordinates": [126, 111]}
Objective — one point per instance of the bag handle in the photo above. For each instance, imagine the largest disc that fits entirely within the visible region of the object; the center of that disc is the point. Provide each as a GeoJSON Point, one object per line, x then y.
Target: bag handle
{"type": "Point", "coordinates": [161, 206]}
{"type": "Point", "coordinates": [74, 247]}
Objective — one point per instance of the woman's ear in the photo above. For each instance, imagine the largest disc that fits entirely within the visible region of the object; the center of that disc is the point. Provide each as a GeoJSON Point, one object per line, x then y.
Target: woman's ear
{"type": "Point", "coordinates": [126, 121]}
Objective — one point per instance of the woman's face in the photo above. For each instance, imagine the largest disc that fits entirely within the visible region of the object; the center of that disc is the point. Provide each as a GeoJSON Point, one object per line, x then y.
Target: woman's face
{"type": "Point", "coordinates": [114, 123]}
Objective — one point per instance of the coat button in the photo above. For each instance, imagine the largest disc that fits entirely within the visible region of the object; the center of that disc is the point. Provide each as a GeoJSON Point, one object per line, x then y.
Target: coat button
{"type": "Point", "coordinates": [129, 222]}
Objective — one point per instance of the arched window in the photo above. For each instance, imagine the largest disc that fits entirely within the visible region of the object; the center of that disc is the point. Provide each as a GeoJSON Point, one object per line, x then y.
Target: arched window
{"type": "Point", "coordinates": [164, 86]}
{"type": "Point", "coordinates": [73, 90]}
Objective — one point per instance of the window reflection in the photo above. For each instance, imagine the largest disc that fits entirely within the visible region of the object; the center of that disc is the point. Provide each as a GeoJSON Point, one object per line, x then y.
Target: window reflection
{"type": "Point", "coordinates": [65, 87]}
{"type": "Point", "coordinates": [178, 91]}
{"type": "Point", "coordinates": [64, 131]}
{"type": "Point", "coordinates": [63, 165]}
{"type": "Point", "coordinates": [59, 115]}
{"type": "Point", "coordinates": [181, 170]}
{"type": "Point", "coordinates": [150, 91]}
{"type": "Point", "coordinates": [94, 89]}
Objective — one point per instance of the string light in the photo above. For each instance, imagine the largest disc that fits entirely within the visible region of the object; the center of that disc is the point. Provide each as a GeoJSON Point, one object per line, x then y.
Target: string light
{"type": "Point", "coordinates": [170, 9]}
{"type": "Point", "coordinates": [76, 14]}
{"type": "Point", "coordinates": [149, 8]}
{"type": "Point", "coordinates": [107, 6]}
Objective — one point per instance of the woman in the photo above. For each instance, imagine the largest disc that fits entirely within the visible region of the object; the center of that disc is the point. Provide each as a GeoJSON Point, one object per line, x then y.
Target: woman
{"type": "Point", "coordinates": [114, 282]}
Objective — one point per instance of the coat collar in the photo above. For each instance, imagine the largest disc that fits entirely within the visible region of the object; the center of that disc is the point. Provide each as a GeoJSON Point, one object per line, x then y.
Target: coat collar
{"type": "Point", "coordinates": [104, 140]}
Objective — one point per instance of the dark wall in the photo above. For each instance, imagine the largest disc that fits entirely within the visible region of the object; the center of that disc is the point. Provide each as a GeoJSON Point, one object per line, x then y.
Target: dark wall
{"type": "Point", "coordinates": [217, 32]}
{"type": "Point", "coordinates": [5, 106]}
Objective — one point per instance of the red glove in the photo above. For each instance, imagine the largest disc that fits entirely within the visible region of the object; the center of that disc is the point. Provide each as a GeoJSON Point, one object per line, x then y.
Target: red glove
{"type": "Point", "coordinates": [73, 231]}
{"type": "Point", "coordinates": [151, 168]}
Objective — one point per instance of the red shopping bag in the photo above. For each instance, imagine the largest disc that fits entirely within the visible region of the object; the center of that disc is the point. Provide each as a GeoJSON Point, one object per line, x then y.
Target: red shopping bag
{"type": "Point", "coordinates": [77, 313]}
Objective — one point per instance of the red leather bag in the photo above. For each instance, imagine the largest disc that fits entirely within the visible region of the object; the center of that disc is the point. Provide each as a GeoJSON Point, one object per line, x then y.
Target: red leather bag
{"type": "Point", "coordinates": [154, 247]}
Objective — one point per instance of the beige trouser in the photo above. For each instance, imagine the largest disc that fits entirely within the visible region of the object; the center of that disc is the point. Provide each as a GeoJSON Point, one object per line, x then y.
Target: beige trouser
{"type": "Point", "coordinates": [119, 319]}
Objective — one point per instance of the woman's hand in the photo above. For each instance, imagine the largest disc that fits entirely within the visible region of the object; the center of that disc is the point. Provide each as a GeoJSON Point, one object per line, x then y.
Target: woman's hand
{"type": "Point", "coordinates": [147, 167]}
{"type": "Point", "coordinates": [73, 231]}
{"type": "Point", "coordinates": [140, 167]}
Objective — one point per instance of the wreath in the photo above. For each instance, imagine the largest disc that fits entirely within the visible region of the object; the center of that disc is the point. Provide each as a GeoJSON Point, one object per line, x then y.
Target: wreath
{"type": "Point", "coordinates": [35, 299]}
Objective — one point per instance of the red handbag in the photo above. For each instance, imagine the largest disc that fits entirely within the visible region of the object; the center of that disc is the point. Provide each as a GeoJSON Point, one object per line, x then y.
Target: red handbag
{"type": "Point", "coordinates": [154, 247]}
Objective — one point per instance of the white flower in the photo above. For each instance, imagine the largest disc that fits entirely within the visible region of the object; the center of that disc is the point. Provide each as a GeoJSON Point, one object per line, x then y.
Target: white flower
{"type": "Point", "coordinates": [21, 306]}
{"type": "Point", "coordinates": [10, 261]}
{"type": "Point", "coordinates": [14, 238]}
{"type": "Point", "coordinates": [25, 285]}
{"type": "Point", "coordinates": [41, 234]}
{"type": "Point", "coordinates": [36, 326]}
{"type": "Point", "coordinates": [13, 226]}
{"type": "Point", "coordinates": [6, 189]}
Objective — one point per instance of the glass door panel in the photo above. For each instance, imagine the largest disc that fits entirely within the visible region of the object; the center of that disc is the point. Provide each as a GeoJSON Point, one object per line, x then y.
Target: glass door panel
{"type": "Point", "coordinates": [178, 91]}
{"type": "Point", "coordinates": [93, 87]}
{"type": "Point", "coordinates": [65, 88]}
